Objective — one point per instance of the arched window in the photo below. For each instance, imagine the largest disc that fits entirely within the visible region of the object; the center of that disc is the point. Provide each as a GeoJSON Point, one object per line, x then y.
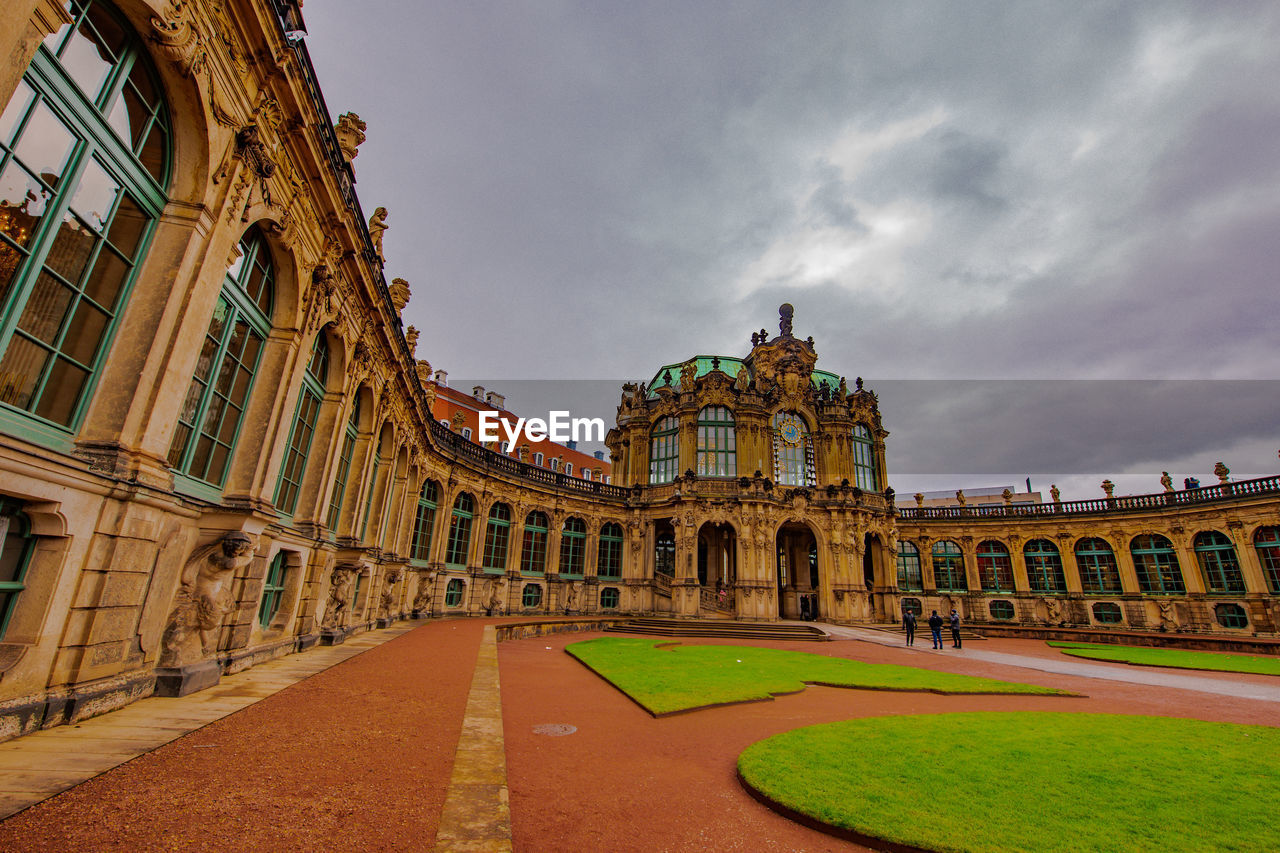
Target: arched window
{"type": "Point", "coordinates": [533, 556]}
{"type": "Point", "coordinates": [717, 443]}
{"type": "Point", "coordinates": [272, 591]}
{"type": "Point", "coordinates": [372, 491]}
{"type": "Point", "coordinates": [459, 545]}
{"type": "Point", "coordinates": [82, 183]}
{"type": "Point", "coordinates": [664, 451]}
{"type": "Point", "coordinates": [532, 595]}
{"type": "Point", "coordinates": [1044, 567]}
{"type": "Point", "coordinates": [792, 451]}
{"type": "Point", "coordinates": [344, 466]}
{"type": "Point", "coordinates": [864, 459]}
{"type": "Point", "coordinates": [424, 522]}
{"type": "Point", "coordinates": [1218, 564]}
{"type": "Point", "coordinates": [1001, 609]}
{"type": "Point", "coordinates": [948, 567]}
{"type": "Point", "coordinates": [209, 421]}
{"type": "Point", "coordinates": [609, 559]}
{"type": "Point", "coordinates": [609, 598]}
{"type": "Point", "coordinates": [453, 592]}
{"type": "Point", "coordinates": [1267, 541]}
{"type": "Point", "coordinates": [568, 469]}
{"type": "Point", "coordinates": [555, 464]}
{"type": "Point", "coordinates": [304, 427]}
{"type": "Point", "coordinates": [496, 538]}
{"type": "Point", "coordinates": [1107, 613]}
{"type": "Point", "coordinates": [995, 569]}
{"type": "Point", "coordinates": [1157, 565]}
{"type": "Point", "coordinates": [1096, 562]}
{"type": "Point", "coordinates": [573, 547]}
{"type": "Point", "coordinates": [909, 575]}
{"type": "Point", "coordinates": [16, 543]}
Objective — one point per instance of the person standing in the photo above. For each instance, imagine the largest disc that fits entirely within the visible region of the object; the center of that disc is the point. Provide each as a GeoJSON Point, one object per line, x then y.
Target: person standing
{"type": "Point", "coordinates": [935, 628]}
{"type": "Point", "coordinates": [955, 629]}
{"type": "Point", "coordinates": [909, 625]}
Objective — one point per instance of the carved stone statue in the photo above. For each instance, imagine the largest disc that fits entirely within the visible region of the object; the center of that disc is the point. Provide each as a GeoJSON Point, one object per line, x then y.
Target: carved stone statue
{"type": "Point", "coordinates": [743, 380]}
{"type": "Point", "coordinates": [960, 498]}
{"type": "Point", "coordinates": [377, 225]}
{"type": "Point", "coordinates": [350, 132]}
{"type": "Point", "coordinates": [495, 590]}
{"type": "Point", "coordinates": [1166, 481]}
{"type": "Point", "coordinates": [203, 599]}
{"type": "Point", "coordinates": [688, 376]}
{"type": "Point", "coordinates": [422, 601]}
{"type": "Point", "coordinates": [411, 338]}
{"type": "Point", "coordinates": [1054, 494]}
{"type": "Point", "coordinates": [339, 604]}
{"type": "Point", "coordinates": [1222, 472]}
{"type": "Point", "coordinates": [844, 388]}
{"type": "Point", "coordinates": [1168, 614]}
{"type": "Point", "coordinates": [570, 597]}
{"type": "Point", "coordinates": [399, 289]}
{"type": "Point", "coordinates": [919, 496]}
{"type": "Point", "coordinates": [785, 313]}
{"type": "Point", "coordinates": [1109, 488]}
{"type": "Point", "coordinates": [1007, 496]}
{"type": "Point", "coordinates": [387, 600]}
{"type": "Point", "coordinates": [1052, 609]}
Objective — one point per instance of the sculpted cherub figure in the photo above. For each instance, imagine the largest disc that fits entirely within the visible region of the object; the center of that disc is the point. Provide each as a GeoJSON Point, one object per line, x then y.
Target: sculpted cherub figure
{"type": "Point", "coordinates": [203, 599]}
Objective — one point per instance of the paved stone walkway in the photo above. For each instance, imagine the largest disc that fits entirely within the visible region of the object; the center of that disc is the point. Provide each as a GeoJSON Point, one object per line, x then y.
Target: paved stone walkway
{"type": "Point", "coordinates": [1130, 674]}
{"type": "Point", "coordinates": [36, 767]}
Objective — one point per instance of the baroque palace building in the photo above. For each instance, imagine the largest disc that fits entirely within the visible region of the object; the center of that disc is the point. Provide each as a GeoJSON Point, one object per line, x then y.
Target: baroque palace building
{"type": "Point", "coordinates": [217, 445]}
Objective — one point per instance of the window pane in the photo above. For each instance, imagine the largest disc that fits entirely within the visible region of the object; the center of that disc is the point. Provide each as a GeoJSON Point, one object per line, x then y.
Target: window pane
{"type": "Point", "coordinates": [10, 259]}
{"type": "Point", "coordinates": [86, 331]}
{"type": "Point", "coordinates": [62, 391]}
{"type": "Point", "coordinates": [71, 249]}
{"type": "Point", "coordinates": [45, 145]}
{"type": "Point", "coordinates": [17, 108]}
{"type": "Point", "coordinates": [20, 369]}
{"type": "Point", "coordinates": [153, 153]}
{"type": "Point", "coordinates": [95, 195]}
{"type": "Point", "coordinates": [127, 226]}
{"type": "Point", "coordinates": [22, 203]}
{"type": "Point", "coordinates": [46, 308]}
{"type": "Point", "coordinates": [87, 58]}
{"type": "Point", "coordinates": [105, 280]}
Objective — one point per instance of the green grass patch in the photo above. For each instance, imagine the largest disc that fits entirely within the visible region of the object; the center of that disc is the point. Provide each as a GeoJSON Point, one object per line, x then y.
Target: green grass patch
{"type": "Point", "coordinates": [1033, 781]}
{"type": "Point", "coordinates": [681, 678]}
{"type": "Point", "coordinates": [1178, 658]}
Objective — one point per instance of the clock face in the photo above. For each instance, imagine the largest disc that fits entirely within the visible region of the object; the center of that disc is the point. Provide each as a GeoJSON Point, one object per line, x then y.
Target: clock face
{"type": "Point", "coordinates": [790, 430]}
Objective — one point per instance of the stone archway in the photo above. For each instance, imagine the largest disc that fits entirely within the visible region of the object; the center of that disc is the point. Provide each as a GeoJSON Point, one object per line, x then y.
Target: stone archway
{"type": "Point", "coordinates": [717, 567]}
{"type": "Point", "coordinates": [797, 571]}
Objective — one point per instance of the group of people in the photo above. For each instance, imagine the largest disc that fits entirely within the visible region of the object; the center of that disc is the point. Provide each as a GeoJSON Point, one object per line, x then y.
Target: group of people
{"type": "Point", "coordinates": [935, 628]}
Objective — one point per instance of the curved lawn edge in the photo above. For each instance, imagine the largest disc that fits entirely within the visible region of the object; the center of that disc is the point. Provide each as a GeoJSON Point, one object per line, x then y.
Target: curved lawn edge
{"type": "Point", "coordinates": [1083, 652]}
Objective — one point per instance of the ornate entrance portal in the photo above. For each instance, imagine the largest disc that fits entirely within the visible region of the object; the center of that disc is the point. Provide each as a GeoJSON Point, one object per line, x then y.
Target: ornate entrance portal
{"type": "Point", "coordinates": [797, 567]}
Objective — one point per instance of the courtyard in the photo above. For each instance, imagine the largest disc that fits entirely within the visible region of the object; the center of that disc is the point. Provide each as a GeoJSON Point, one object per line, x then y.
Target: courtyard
{"type": "Point", "coordinates": [361, 755]}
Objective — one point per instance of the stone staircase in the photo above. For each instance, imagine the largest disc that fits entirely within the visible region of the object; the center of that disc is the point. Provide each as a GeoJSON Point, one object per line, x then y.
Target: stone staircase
{"type": "Point", "coordinates": [720, 628]}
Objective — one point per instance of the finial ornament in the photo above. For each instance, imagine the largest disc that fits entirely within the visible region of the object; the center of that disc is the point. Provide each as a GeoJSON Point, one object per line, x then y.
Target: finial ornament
{"type": "Point", "coordinates": [785, 313]}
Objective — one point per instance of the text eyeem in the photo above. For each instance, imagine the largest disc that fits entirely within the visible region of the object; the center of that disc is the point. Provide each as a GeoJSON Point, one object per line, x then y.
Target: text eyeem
{"type": "Point", "coordinates": [558, 426]}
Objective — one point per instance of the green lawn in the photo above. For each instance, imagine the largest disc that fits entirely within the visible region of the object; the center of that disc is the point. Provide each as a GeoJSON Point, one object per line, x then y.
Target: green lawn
{"type": "Point", "coordinates": [680, 678]}
{"type": "Point", "coordinates": [1031, 781]}
{"type": "Point", "coordinates": [1179, 658]}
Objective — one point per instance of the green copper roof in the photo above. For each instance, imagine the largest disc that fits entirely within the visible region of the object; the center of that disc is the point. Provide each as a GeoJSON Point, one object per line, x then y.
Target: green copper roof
{"type": "Point", "coordinates": [728, 365]}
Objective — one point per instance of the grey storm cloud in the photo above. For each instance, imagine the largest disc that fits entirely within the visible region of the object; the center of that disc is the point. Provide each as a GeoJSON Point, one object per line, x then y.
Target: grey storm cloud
{"type": "Point", "coordinates": [1032, 190]}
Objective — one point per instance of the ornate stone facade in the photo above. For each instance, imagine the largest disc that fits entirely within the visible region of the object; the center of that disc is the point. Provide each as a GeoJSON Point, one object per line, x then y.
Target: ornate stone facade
{"type": "Point", "coordinates": [244, 462]}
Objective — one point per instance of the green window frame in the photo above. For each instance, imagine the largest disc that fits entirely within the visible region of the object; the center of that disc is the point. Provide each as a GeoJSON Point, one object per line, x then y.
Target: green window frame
{"type": "Point", "coordinates": [350, 434]}
{"type": "Point", "coordinates": [1108, 613]}
{"type": "Point", "coordinates": [910, 578]}
{"type": "Point", "coordinates": [864, 459]}
{"type": "Point", "coordinates": [1096, 563]}
{"type": "Point", "coordinates": [84, 161]}
{"type": "Point", "coordinates": [1231, 616]}
{"type": "Point", "coordinates": [213, 409]}
{"type": "Point", "coordinates": [1218, 564]}
{"type": "Point", "coordinates": [609, 557]}
{"type": "Point", "coordinates": [1266, 541]}
{"type": "Point", "coordinates": [1001, 609]}
{"type": "Point", "coordinates": [792, 451]}
{"type": "Point", "coordinates": [948, 567]}
{"type": "Point", "coordinates": [459, 545]}
{"type": "Point", "coordinates": [272, 590]}
{"type": "Point", "coordinates": [373, 487]}
{"type": "Point", "coordinates": [16, 546]}
{"type": "Point", "coordinates": [497, 539]}
{"type": "Point", "coordinates": [1157, 565]}
{"type": "Point", "coordinates": [609, 598]}
{"type": "Point", "coordinates": [573, 547]}
{"type": "Point", "coordinates": [531, 595]}
{"type": "Point", "coordinates": [1044, 567]}
{"type": "Point", "coordinates": [995, 567]}
{"type": "Point", "coordinates": [424, 522]}
{"type": "Point", "coordinates": [912, 605]}
{"type": "Point", "coordinates": [303, 431]}
{"type": "Point", "coordinates": [717, 443]}
{"type": "Point", "coordinates": [664, 451]}
{"type": "Point", "coordinates": [453, 592]}
{"type": "Point", "coordinates": [533, 554]}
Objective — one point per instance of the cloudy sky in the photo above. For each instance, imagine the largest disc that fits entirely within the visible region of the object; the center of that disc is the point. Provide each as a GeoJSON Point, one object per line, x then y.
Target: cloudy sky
{"type": "Point", "coordinates": [1012, 191]}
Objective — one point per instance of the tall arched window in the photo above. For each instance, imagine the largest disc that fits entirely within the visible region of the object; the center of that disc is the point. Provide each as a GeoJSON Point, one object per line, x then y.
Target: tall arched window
{"type": "Point", "coordinates": [304, 427]}
{"type": "Point", "coordinates": [371, 492]}
{"type": "Point", "coordinates": [1044, 567]}
{"type": "Point", "coordinates": [717, 443]}
{"type": "Point", "coordinates": [459, 545]}
{"type": "Point", "coordinates": [16, 543]}
{"type": "Point", "coordinates": [792, 451]}
{"type": "Point", "coordinates": [609, 559]}
{"type": "Point", "coordinates": [995, 569]}
{"type": "Point", "coordinates": [424, 522]}
{"type": "Point", "coordinates": [909, 575]}
{"type": "Point", "coordinates": [864, 459]}
{"type": "Point", "coordinates": [1096, 562]}
{"type": "Point", "coordinates": [344, 466]}
{"type": "Point", "coordinates": [209, 421]}
{"type": "Point", "coordinates": [573, 547]}
{"type": "Point", "coordinates": [1218, 564]}
{"type": "Point", "coordinates": [1157, 565]}
{"type": "Point", "coordinates": [948, 567]}
{"type": "Point", "coordinates": [84, 161]}
{"type": "Point", "coordinates": [1267, 542]}
{"type": "Point", "coordinates": [664, 451]}
{"type": "Point", "coordinates": [533, 556]}
{"type": "Point", "coordinates": [496, 538]}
